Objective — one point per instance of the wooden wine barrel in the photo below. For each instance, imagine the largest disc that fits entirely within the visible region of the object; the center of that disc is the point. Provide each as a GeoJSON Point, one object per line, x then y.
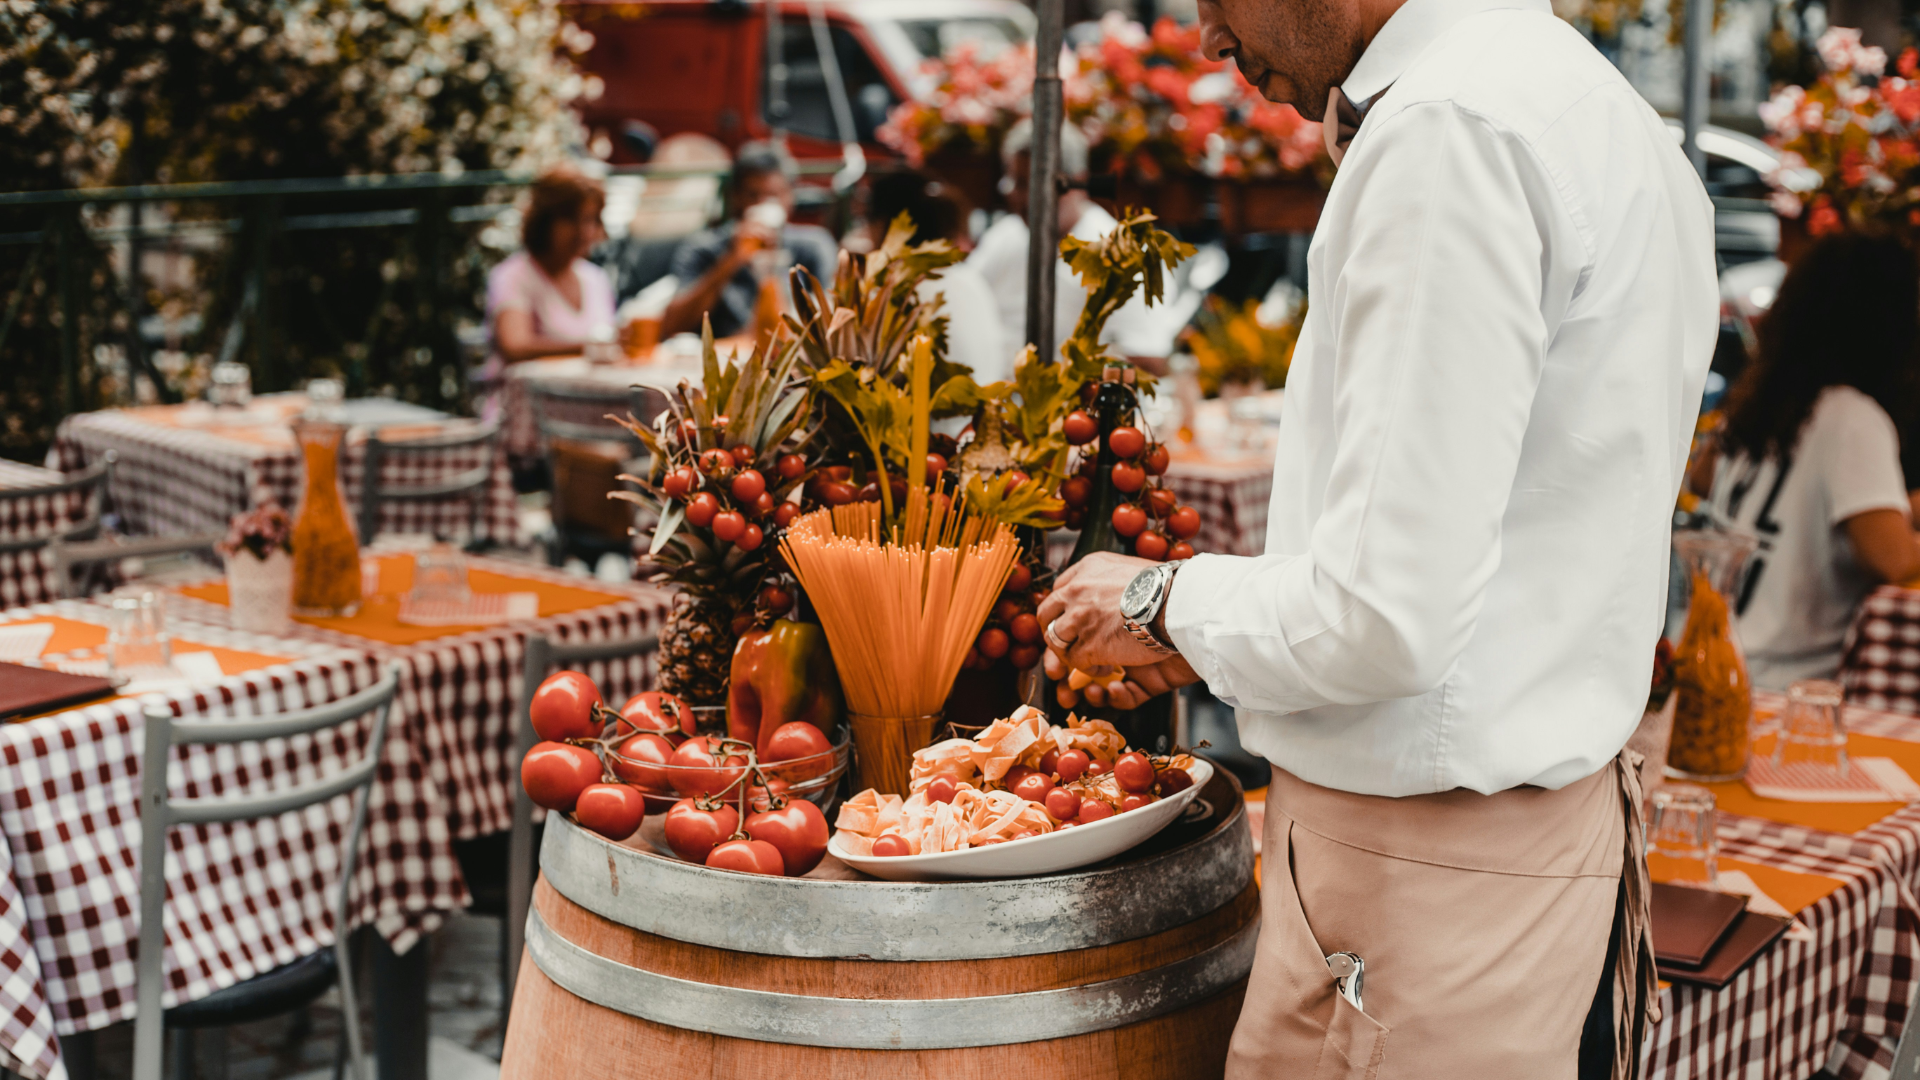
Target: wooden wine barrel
{"type": "Point", "coordinates": [641, 966]}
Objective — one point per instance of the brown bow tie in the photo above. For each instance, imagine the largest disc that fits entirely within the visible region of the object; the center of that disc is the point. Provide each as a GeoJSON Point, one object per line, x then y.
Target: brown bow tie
{"type": "Point", "coordinates": [1342, 121]}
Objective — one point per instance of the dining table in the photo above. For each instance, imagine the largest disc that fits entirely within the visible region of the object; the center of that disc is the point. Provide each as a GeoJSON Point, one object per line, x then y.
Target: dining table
{"type": "Point", "coordinates": [663, 369]}
{"type": "Point", "coordinates": [188, 468]}
{"type": "Point", "coordinates": [26, 577]}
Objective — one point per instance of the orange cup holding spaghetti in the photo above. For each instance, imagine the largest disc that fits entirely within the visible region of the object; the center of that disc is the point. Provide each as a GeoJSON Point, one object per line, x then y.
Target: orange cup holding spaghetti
{"type": "Point", "coordinates": [883, 748]}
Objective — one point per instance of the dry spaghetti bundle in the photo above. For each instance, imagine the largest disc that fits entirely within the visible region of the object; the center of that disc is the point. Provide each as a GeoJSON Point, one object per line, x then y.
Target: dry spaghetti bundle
{"type": "Point", "coordinates": [900, 606]}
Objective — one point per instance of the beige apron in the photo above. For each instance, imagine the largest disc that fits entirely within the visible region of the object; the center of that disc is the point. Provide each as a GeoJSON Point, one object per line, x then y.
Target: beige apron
{"type": "Point", "coordinates": [1483, 921]}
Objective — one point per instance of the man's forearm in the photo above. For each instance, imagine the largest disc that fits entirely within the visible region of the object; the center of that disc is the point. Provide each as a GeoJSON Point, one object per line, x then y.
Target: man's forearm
{"type": "Point", "coordinates": [684, 310]}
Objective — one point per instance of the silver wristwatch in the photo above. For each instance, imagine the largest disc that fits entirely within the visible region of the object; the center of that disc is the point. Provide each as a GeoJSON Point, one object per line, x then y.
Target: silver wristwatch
{"type": "Point", "coordinates": [1140, 604]}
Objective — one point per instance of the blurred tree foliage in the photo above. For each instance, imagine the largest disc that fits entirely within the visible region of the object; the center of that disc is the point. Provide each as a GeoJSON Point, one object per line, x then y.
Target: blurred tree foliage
{"type": "Point", "coordinates": [117, 92]}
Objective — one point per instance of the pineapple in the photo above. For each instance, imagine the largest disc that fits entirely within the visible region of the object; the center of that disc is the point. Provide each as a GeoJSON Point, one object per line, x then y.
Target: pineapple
{"type": "Point", "coordinates": [725, 457]}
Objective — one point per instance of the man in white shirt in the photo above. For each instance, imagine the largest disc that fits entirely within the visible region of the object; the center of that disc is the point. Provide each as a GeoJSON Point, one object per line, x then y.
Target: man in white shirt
{"type": "Point", "coordinates": [1137, 331]}
{"type": "Point", "coordinates": [1449, 639]}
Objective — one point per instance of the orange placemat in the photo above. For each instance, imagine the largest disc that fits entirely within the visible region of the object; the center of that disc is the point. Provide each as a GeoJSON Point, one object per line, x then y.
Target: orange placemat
{"type": "Point", "coordinates": [1848, 818]}
{"type": "Point", "coordinates": [68, 634]}
{"type": "Point", "coordinates": [379, 616]}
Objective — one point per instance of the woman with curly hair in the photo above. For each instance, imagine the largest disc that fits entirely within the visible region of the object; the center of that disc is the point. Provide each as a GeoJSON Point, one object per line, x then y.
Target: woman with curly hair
{"type": "Point", "coordinates": [1809, 457]}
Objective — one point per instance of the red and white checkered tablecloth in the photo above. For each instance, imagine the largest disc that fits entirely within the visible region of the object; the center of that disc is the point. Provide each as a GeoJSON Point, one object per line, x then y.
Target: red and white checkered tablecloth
{"type": "Point", "coordinates": [188, 469]}
{"type": "Point", "coordinates": [520, 431]}
{"type": "Point", "coordinates": [1232, 497]}
{"type": "Point", "coordinates": [1880, 665]}
{"type": "Point", "coordinates": [26, 577]}
{"type": "Point", "coordinates": [244, 898]}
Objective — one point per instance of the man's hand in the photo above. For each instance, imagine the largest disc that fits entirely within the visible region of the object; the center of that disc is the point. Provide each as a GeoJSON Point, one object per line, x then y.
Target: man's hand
{"type": "Point", "coordinates": [1082, 615]}
{"type": "Point", "coordinates": [749, 239]}
{"type": "Point", "coordinates": [1135, 686]}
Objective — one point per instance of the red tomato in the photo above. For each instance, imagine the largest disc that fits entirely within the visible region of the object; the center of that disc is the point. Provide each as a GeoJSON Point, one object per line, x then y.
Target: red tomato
{"type": "Point", "coordinates": [1072, 764]}
{"type": "Point", "coordinates": [800, 742]}
{"type": "Point", "coordinates": [1128, 477]}
{"type": "Point", "coordinates": [1134, 772]}
{"type": "Point", "coordinates": [1157, 460]}
{"type": "Point", "coordinates": [747, 857]}
{"type": "Point", "coordinates": [1024, 656]}
{"type": "Point", "coordinates": [750, 538]}
{"type": "Point", "coordinates": [693, 833]}
{"type": "Point", "coordinates": [791, 466]}
{"type": "Point", "coordinates": [562, 707]}
{"type": "Point", "coordinates": [715, 462]}
{"type": "Point", "coordinates": [941, 789]}
{"type": "Point", "coordinates": [973, 659]}
{"type": "Point", "coordinates": [891, 846]}
{"type": "Point", "coordinates": [701, 509]}
{"type": "Point", "coordinates": [1184, 522]}
{"type": "Point", "coordinates": [1092, 810]}
{"type": "Point", "coordinates": [936, 464]}
{"type": "Point", "coordinates": [1181, 550]}
{"type": "Point", "coordinates": [1128, 519]}
{"type": "Point", "coordinates": [729, 525]}
{"type": "Point", "coordinates": [1018, 578]}
{"type": "Point", "coordinates": [748, 485]}
{"type": "Point", "coordinates": [743, 455]}
{"type": "Point", "coordinates": [784, 514]}
{"type": "Point", "coordinates": [1099, 767]}
{"type": "Point", "coordinates": [993, 643]}
{"type": "Point", "coordinates": [700, 768]}
{"type": "Point", "coordinates": [1134, 801]}
{"type": "Point", "coordinates": [1150, 545]}
{"type": "Point", "coordinates": [776, 600]}
{"type": "Point", "coordinates": [612, 810]}
{"type": "Point", "coordinates": [797, 830]}
{"type": "Point", "coordinates": [1049, 761]}
{"type": "Point", "coordinates": [1126, 442]}
{"type": "Point", "coordinates": [1160, 502]}
{"type": "Point", "coordinates": [1014, 478]}
{"type": "Point", "coordinates": [1033, 787]}
{"type": "Point", "coordinates": [762, 504]}
{"type": "Point", "coordinates": [837, 493]}
{"type": "Point", "coordinates": [761, 798]}
{"type": "Point", "coordinates": [690, 432]}
{"type": "Point", "coordinates": [638, 759]}
{"type": "Point", "coordinates": [1173, 781]}
{"type": "Point", "coordinates": [555, 774]}
{"type": "Point", "coordinates": [869, 491]}
{"type": "Point", "coordinates": [1062, 804]}
{"type": "Point", "coordinates": [1015, 775]}
{"type": "Point", "coordinates": [1076, 491]}
{"type": "Point", "coordinates": [1080, 427]}
{"type": "Point", "coordinates": [1007, 609]}
{"type": "Point", "coordinates": [677, 483]}
{"type": "Point", "coordinates": [654, 710]}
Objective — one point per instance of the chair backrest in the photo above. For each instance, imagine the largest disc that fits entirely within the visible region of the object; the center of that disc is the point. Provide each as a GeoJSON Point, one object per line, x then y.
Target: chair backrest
{"type": "Point", "coordinates": [90, 483]}
{"type": "Point", "coordinates": [470, 484]}
{"type": "Point", "coordinates": [67, 555]}
{"type": "Point", "coordinates": [644, 403]}
{"type": "Point", "coordinates": [158, 813]}
{"type": "Point", "coordinates": [542, 655]}
{"type": "Point", "coordinates": [578, 412]}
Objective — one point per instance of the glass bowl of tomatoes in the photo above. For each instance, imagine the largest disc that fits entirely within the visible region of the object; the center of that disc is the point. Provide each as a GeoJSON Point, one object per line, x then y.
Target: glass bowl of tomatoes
{"type": "Point", "coordinates": [800, 761]}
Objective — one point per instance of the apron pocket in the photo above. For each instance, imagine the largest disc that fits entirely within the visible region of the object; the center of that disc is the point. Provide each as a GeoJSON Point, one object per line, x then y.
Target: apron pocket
{"type": "Point", "coordinates": [1355, 1044]}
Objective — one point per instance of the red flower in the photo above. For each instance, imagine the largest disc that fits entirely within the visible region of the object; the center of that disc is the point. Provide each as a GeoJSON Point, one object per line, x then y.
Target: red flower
{"type": "Point", "coordinates": [1907, 63]}
{"type": "Point", "coordinates": [1825, 220]}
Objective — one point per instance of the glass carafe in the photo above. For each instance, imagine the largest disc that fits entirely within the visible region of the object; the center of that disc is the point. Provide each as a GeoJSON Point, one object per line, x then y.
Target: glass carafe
{"type": "Point", "coordinates": [1711, 736]}
{"type": "Point", "coordinates": [326, 549]}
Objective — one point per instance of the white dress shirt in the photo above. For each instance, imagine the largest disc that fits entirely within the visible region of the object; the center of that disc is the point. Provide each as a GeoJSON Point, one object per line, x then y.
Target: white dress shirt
{"type": "Point", "coordinates": [974, 337]}
{"type": "Point", "coordinates": [1001, 258]}
{"type": "Point", "coordinates": [1512, 307]}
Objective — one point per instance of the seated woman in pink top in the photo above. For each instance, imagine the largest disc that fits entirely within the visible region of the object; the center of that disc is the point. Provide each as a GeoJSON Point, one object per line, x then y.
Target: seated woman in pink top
{"type": "Point", "coordinates": [547, 299]}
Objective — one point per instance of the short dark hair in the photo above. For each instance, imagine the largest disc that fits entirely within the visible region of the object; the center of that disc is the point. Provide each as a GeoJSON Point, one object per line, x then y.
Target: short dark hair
{"type": "Point", "coordinates": [936, 214]}
{"type": "Point", "coordinates": [756, 159]}
{"type": "Point", "coordinates": [560, 192]}
{"type": "Point", "coordinates": [1848, 314]}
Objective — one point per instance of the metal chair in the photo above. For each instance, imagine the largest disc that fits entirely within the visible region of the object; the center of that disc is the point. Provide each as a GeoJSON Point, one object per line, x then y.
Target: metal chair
{"type": "Point", "coordinates": [571, 417]}
{"type": "Point", "coordinates": [90, 482]}
{"type": "Point", "coordinates": [470, 484]}
{"type": "Point", "coordinates": [67, 555]}
{"type": "Point", "coordinates": [285, 988]}
{"type": "Point", "coordinates": [541, 656]}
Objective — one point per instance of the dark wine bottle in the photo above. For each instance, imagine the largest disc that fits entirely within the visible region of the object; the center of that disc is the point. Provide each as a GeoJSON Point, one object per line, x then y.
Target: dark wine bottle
{"type": "Point", "coordinates": [1115, 404]}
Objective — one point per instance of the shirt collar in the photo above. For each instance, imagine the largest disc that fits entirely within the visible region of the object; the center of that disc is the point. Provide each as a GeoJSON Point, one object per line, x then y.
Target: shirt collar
{"type": "Point", "coordinates": [1407, 34]}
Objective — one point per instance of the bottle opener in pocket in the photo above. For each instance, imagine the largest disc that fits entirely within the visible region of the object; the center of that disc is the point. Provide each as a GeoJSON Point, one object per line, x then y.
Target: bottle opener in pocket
{"type": "Point", "coordinates": [1348, 971]}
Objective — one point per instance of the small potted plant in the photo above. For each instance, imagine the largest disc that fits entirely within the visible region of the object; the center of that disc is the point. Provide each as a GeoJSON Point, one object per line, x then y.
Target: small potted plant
{"type": "Point", "coordinates": [259, 555]}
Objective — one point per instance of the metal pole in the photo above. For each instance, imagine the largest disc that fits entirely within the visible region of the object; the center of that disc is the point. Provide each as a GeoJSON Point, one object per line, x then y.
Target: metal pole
{"type": "Point", "coordinates": [67, 237]}
{"type": "Point", "coordinates": [776, 75]}
{"type": "Point", "coordinates": [1043, 178]}
{"type": "Point", "coordinates": [1693, 114]}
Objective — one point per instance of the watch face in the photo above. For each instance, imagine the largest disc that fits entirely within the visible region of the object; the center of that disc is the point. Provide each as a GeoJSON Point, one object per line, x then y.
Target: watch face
{"type": "Point", "coordinates": [1140, 593]}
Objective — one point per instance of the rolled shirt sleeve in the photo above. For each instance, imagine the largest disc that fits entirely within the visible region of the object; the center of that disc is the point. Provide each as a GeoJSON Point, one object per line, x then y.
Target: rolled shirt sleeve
{"type": "Point", "coordinates": [1453, 282]}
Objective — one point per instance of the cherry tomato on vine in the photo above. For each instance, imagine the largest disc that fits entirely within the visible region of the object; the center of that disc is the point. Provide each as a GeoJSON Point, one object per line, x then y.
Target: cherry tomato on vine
{"type": "Point", "coordinates": [1181, 550]}
{"type": "Point", "coordinates": [555, 774]}
{"type": "Point", "coordinates": [1072, 764]}
{"type": "Point", "coordinates": [1150, 545]}
{"type": "Point", "coordinates": [716, 461]}
{"type": "Point", "coordinates": [690, 432]}
{"type": "Point", "coordinates": [1062, 804]}
{"type": "Point", "coordinates": [1134, 772]}
{"type": "Point", "coordinates": [892, 846]}
{"type": "Point", "coordinates": [1024, 628]}
{"type": "Point", "coordinates": [701, 509]}
{"type": "Point", "coordinates": [1023, 657]}
{"type": "Point", "coordinates": [776, 599]}
{"type": "Point", "coordinates": [1092, 810]}
{"type": "Point", "coordinates": [801, 742]}
{"type": "Point", "coordinates": [1099, 767]}
{"type": "Point", "coordinates": [1128, 477]}
{"type": "Point", "coordinates": [1049, 762]}
{"type": "Point", "coordinates": [677, 483]}
{"type": "Point", "coordinates": [1134, 801]}
{"type": "Point", "coordinates": [941, 789]}
{"type": "Point", "coordinates": [693, 833]}
{"type": "Point", "coordinates": [748, 857]}
{"type": "Point", "coordinates": [1018, 578]}
{"type": "Point", "coordinates": [1184, 522]}
{"type": "Point", "coordinates": [1126, 442]}
{"type": "Point", "coordinates": [1157, 459]}
{"type": "Point", "coordinates": [784, 514]}
{"type": "Point", "coordinates": [838, 493]}
{"type": "Point", "coordinates": [1076, 491]}
{"type": "Point", "coordinates": [641, 759]}
{"type": "Point", "coordinates": [729, 525]}
{"type": "Point", "coordinates": [750, 538]}
{"type": "Point", "coordinates": [562, 707]}
{"type": "Point", "coordinates": [1173, 781]}
{"type": "Point", "coordinates": [1160, 502]}
{"type": "Point", "coordinates": [1034, 786]}
{"type": "Point", "coordinates": [1080, 427]}
{"type": "Point", "coordinates": [1007, 609]}
{"type": "Point", "coordinates": [762, 504]}
{"type": "Point", "coordinates": [798, 831]}
{"type": "Point", "coordinates": [992, 643]}
{"type": "Point", "coordinates": [748, 485]}
{"type": "Point", "coordinates": [656, 711]}
{"type": "Point", "coordinates": [702, 768]}
{"type": "Point", "coordinates": [1129, 520]}
{"type": "Point", "coordinates": [936, 464]}
{"type": "Point", "coordinates": [790, 466]}
{"type": "Point", "coordinates": [612, 810]}
{"type": "Point", "coordinates": [743, 455]}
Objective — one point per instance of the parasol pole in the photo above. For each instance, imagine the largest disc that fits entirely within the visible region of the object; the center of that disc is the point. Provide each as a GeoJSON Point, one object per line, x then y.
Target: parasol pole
{"type": "Point", "coordinates": [1693, 103]}
{"type": "Point", "coordinates": [1043, 179]}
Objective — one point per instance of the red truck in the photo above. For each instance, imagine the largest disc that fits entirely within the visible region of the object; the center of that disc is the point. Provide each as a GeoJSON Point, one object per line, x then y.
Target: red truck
{"type": "Point", "coordinates": [702, 65]}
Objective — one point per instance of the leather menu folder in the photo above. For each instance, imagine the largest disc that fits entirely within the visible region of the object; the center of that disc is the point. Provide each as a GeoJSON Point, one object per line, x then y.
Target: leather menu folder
{"type": "Point", "coordinates": [27, 691]}
{"type": "Point", "coordinates": [1752, 934]}
{"type": "Point", "coordinates": [1688, 923]}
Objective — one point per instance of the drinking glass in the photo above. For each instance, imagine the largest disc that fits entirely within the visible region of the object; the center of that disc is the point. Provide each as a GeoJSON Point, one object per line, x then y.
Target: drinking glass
{"type": "Point", "coordinates": [1811, 730]}
{"type": "Point", "coordinates": [137, 633]}
{"type": "Point", "coordinates": [1682, 846]}
{"type": "Point", "coordinates": [326, 400]}
{"type": "Point", "coordinates": [232, 383]}
{"type": "Point", "coordinates": [440, 575]}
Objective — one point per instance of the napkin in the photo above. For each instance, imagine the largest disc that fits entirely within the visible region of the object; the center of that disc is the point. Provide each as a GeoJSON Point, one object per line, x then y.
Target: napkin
{"type": "Point", "coordinates": [1868, 779]}
{"type": "Point", "coordinates": [24, 641]}
{"type": "Point", "coordinates": [187, 669]}
{"type": "Point", "coordinates": [481, 609]}
{"type": "Point", "coordinates": [1737, 883]}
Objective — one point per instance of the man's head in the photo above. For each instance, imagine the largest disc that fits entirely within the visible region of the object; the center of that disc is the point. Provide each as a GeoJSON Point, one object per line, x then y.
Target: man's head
{"type": "Point", "coordinates": [1292, 51]}
{"type": "Point", "coordinates": [762, 172]}
{"type": "Point", "coordinates": [1016, 154]}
